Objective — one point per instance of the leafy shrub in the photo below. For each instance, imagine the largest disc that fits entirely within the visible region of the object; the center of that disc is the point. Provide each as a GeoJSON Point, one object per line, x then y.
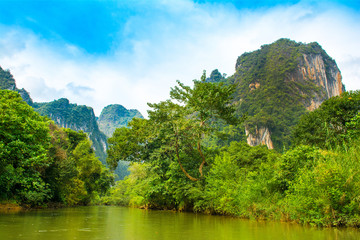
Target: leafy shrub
{"type": "Point", "coordinates": [328, 194]}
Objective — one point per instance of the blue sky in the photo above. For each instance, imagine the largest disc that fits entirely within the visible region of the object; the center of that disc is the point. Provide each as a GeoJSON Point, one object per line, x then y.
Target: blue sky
{"type": "Point", "coordinates": [100, 52]}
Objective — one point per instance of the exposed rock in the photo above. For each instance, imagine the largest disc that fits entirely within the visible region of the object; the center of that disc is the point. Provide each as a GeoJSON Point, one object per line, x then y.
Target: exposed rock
{"type": "Point", "coordinates": [314, 104]}
{"type": "Point", "coordinates": [260, 137]}
{"type": "Point", "coordinates": [253, 86]}
{"type": "Point", "coordinates": [7, 81]}
{"type": "Point", "coordinates": [313, 68]}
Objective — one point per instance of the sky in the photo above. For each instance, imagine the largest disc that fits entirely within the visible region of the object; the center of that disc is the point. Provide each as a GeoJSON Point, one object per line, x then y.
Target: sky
{"type": "Point", "coordinates": [101, 52]}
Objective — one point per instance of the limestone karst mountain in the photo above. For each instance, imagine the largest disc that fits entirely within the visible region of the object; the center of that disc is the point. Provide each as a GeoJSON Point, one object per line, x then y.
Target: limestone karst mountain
{"type": "Point", "coordinates": [278, 83]}
{"type": "Point", "coordinates": [75, 117]}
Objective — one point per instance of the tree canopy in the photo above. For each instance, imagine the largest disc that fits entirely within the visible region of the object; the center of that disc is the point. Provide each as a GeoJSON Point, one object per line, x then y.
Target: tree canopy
{"type": "Point", "coordinates": [41, 162]}
{"type": "Point", "coordinates": [176, 127]}
{"type": "Point", "coordinates": [316, 181]}
{"type": "Point", "coordinates": [330, 124]}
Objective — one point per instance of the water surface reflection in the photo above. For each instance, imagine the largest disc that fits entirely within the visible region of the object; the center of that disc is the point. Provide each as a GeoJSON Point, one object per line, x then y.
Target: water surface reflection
{"type": "Point", "coordinates": [101, 222]}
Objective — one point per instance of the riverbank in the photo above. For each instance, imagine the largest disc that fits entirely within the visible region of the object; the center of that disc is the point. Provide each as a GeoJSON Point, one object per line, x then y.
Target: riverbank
{"type": "Point", "coordinates": [10, 207]}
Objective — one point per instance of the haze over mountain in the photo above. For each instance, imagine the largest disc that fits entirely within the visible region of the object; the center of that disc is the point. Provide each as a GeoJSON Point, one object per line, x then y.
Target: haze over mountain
{"type": "Point", "coordinates": [275, 85]}
{"type": "Point", "coordinates": [77, 49]}
{"type": "Point", "coordinates": [7, 81]}
{"type": "Point", "coordinates": [73, 116]}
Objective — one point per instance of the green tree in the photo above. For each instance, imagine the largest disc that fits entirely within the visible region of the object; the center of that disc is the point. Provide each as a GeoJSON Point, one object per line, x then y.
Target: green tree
{"type": "Point", "coordinates": [130, 144]}
{"type": "Point", "coordinates": [176, 128]}
{"type": "Point", "coordinates": [90, 171]}
{"type": "Point", "coordinates": [329, 125]}
{"type": "Point", "coordinates": [40, 162]}
{"type": "Point", "coordinates": [24, 141]}
{"type": "Point", "coordinates": [76, 175]}
{"type": "Point", "coordinates": [191, 114]}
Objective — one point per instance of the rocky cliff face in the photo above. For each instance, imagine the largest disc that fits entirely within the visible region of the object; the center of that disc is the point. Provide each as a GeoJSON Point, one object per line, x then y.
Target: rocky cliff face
{"type": "Point", "coordinates": [312, 67]}
{"type": "Point", "coordinates": [277, 84]}
{"type": "Point", "coordinates": [7, 81]}
{"type": "Point", "coordinates": [116, 116]}
{"type": "Point", "coordinates": [76, 117]}
{"type": "Point", "coordinates": [261, 136]}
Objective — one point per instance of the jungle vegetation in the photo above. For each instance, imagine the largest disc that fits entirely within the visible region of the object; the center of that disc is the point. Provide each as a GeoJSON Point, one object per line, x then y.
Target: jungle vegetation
{"type": "Point", "coordinates": [190, 156]}
{"type": "Point", "coordinates": [42, 163]}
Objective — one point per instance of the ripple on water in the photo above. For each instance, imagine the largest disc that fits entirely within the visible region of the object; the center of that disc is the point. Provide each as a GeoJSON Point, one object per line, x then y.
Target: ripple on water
{"type": "Point", "coordinates": [53, 230]}
{"type": "Point", "coordinates": [84, 230]}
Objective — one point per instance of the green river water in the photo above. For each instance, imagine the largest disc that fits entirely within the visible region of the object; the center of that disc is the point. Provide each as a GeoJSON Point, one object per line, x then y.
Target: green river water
{"type": "Point", "coordinates": [101, 222]}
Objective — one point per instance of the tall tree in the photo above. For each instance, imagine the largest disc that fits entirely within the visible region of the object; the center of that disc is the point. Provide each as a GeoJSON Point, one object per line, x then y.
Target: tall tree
{"type": "Point", "coordinates": [24, 142]}
{"type": "Point", "coordinates": [177, 127]}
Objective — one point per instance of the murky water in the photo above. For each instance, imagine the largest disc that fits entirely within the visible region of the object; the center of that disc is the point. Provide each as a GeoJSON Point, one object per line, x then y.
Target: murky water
{"type": "Point", "coordinates": [101, 222]}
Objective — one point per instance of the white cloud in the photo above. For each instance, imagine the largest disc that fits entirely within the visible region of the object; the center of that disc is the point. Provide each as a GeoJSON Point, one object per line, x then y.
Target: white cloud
{"type": "Point", "coordinates": [176, 43]}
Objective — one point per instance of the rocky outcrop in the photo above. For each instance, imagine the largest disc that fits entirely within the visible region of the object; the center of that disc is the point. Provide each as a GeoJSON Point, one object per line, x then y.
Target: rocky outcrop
{"type": "Point", "coordinates": [313, 68]}
{"type": "Point", "coordinates": [323, 73]}
{"type": "Point", "coordinates": [261, 136]}
{"type": "Point", "coordinates": [7, 82]}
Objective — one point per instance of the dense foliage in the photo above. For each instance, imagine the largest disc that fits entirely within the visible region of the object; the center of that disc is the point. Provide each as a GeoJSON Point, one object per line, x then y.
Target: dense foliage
{"type": "Point", "coordinates": [330, 124]}
{"type": "Point", "coordinates": [24, 137]}
{"type": "Point", "coordinates": [309, 183]}
{"type": "Point", "coordinates": [42, 163]}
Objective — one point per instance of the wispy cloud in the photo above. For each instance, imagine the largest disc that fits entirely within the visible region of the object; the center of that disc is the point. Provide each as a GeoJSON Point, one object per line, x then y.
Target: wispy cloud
{"type": "Point", "coordinates": [158, 43]}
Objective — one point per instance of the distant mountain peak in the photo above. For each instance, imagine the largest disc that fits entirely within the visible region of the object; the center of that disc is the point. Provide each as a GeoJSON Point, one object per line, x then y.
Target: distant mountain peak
{"type": "Point", "coordinates": [115, 116]}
